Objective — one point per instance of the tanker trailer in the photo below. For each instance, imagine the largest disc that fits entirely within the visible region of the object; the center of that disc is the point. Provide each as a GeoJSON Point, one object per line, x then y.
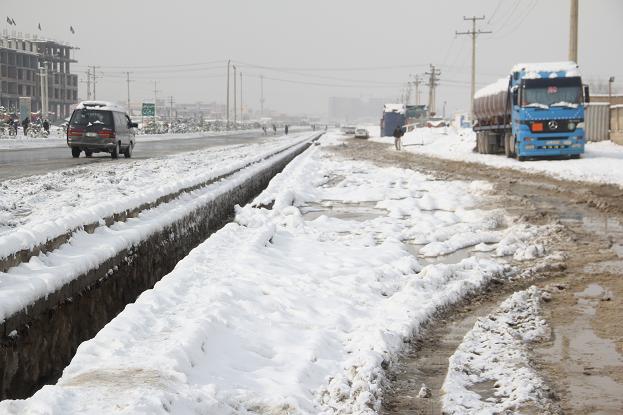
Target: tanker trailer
{"type": "Point", "coordinates": [537, 111]}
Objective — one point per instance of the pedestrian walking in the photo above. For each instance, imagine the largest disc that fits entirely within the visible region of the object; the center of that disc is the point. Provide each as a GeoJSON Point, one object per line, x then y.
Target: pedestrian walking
{"type": "Point", "coordinates": [264, 129]}
{"type": "Point", "coordinates": [15, 125]}
{"type": "Point", "coordinates": [286, 129]}
{"type": "Point", "coordinates": [25, 125]}
{"type": "Point", "coordinates": [46, 126]}
{"type": "Point", "coordinates": [274, 129]}
{"type": "Point", "coordinates": [398, 133]}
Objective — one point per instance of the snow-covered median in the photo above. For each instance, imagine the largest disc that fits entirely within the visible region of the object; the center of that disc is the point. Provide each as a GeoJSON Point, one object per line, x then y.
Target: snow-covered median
{"type": "Point", "coordinates": [284, 312]}
{"type": "Point", "coordinates": [602, 162]}
{"type": "Point", "coordinates": [495, 354]}
{"type": "Point", "coordinates": [36, 209]}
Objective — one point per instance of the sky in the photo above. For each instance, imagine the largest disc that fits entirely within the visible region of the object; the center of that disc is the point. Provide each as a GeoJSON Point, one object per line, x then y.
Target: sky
{"type": "Point", "coordinates": [308, 51]}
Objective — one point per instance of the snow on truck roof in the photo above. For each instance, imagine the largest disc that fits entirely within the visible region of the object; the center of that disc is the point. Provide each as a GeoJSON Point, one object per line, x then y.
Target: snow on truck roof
{"type": "Point", "coordinates": [100, 105]}
{"type": "Point", "coordinates": [399, 108]}
{"type": "Point", "coordinates": [534, 70]}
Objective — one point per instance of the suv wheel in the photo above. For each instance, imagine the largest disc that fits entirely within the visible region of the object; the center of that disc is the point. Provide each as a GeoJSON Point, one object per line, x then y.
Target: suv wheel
{"type": "Point", "coordinates": [115, 151]}
{"type": "Point", "coordinates": [75, 152]}
{"type": "Point", "coordinates": [128, 151]}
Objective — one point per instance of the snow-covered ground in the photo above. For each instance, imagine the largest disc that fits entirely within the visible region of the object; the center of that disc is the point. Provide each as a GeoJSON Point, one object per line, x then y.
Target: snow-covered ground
{"type": "Point", "coordinates": [35, 209]}
{"type": "Point", "coordinates": [300, 303]}
{"type": "Point", "coordinates": [601, 163]}
{"type": "Point", "coordinates": [495, 352]}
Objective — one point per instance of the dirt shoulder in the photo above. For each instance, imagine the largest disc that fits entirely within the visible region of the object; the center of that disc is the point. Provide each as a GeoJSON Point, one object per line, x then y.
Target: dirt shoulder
{"type": "Point", "coordinates": [583, 361]}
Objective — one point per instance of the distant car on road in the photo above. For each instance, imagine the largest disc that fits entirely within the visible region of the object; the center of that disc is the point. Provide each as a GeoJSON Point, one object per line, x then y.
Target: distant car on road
{"type": "Point", "coordinates": [362, 133]}
{"type": "Point", "coordinates": [99, 126]}
{"type": "Point", "coordinates": [349, 129]}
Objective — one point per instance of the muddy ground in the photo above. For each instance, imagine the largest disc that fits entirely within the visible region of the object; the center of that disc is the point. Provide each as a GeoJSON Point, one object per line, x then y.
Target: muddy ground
{"type": "Point", "coordinates": [583, 361]}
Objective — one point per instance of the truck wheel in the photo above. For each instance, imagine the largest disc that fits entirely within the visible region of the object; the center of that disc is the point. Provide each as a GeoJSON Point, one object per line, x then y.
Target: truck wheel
{"type": "Point", "coordinates": [75, 152]}
{"type": "Point", "coordinates": [88, 153]}
{"type": "Point", "coordinates": [507, 146]}
{"type": "Point", "coordinates": [575, 156]}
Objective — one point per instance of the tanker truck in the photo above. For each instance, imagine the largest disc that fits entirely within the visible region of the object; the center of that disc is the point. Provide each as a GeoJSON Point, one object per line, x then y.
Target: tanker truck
{"type": "Point", "coordinates": [537, 111]}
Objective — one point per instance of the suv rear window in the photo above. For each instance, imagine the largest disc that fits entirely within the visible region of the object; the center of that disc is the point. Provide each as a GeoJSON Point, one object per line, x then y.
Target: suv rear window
{"type": "Point", "coordinates": [92, 119]}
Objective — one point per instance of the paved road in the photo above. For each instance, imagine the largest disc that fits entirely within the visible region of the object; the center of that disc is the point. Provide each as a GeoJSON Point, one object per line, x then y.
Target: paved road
{"type": "Point", "coordinates": [31, 161]}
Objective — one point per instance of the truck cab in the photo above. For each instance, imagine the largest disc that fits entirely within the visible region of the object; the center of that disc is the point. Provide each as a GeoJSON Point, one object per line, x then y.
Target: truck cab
{"type": "Point", "coordinates": [547, 110]}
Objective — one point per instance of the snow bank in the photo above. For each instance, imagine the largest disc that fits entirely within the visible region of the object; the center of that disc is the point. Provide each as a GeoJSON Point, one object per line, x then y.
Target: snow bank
{"type": "Point", "coordinates": [100, 105]}
{"type": "Point", "coordinates": [496, 350]}
{"type": "Point", "coordinates": [279, 313]}
{"type": "Point", "coordinates": [39, 208]}
{"type": "Point", "coordinates": [602, 161]}
{"type": "Point", "coordinates": [399, 108]}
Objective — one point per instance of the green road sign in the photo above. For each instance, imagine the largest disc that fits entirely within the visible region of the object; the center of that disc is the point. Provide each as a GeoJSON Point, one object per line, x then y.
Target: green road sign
{"type": "Point", "coordinates": [149, 110]}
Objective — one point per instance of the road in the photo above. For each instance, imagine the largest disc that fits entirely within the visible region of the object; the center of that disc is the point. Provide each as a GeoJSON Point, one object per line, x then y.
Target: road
{"type": "Point", "coordinates": [30, 161]}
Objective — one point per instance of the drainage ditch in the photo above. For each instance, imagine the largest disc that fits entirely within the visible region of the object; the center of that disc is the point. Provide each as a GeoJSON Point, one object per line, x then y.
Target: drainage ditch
{"type": "Point", "coordinates": [38, 342]}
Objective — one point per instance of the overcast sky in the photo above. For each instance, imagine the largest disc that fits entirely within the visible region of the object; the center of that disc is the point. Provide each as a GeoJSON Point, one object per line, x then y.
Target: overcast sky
{"type": "Point", "coordinates": [311, 50]}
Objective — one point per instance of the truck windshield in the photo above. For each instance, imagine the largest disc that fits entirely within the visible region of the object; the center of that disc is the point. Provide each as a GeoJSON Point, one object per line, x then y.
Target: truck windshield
{"type": "Point", "coordinates": [91, 118]}
{"type": "Point", "coordinates": [552, 92]}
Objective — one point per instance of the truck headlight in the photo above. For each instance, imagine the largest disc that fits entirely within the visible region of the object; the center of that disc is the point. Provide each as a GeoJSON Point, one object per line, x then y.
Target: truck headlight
{"type": "Point", "coordinates": [580, 125]}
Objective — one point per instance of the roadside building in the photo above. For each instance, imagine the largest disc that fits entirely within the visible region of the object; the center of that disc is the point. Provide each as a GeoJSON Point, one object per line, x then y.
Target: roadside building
{"type": "Point", "coordinates": [24, 60]}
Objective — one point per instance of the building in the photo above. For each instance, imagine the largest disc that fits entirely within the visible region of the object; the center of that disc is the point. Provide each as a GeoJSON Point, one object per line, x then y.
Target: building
{"type": "Point", "coordinates": [24, 61]}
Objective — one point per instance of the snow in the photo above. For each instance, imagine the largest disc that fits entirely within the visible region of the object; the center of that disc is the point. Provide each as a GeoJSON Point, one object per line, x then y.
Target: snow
{"type": "Point", "coordinates": [399, 108]}
{"type": "Point", "coordinates": [100, 105]}
{"type": "Point", "coordinates": [35, 209]}
{"type": "Point", "coordinates": [602, 161]}
{"type": "Point", "coordinates": [495, 88]}
{"type": "Point", "coordinates": [280, 312]}
{"type": "Point", "coordinates": [533, 70]}
{"type": "Point", "coordinates": [496, 350]}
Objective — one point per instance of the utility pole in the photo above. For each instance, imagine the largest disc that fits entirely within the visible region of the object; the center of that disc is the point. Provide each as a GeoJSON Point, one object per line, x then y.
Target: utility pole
{"type": "Point", "coordinates": [89, 84]}
{"type": "Point", "coordinates": [171, 109]}
{"type": "Point", "coordinates": [228, 64]}
{"type": "Point", "coordinates": [94, 80]}
{"type": "Point", "coordinates": [433, 81]}
{"type": "Point", "coordinates": [473, 34]}
{"type": "Point", "coordinates": [155, 98]}
{"type": "Point", "coordinates": [573, 32]}
{"type": "Point", "coordinates": [43, 80]}
{"type": "Point", "coordinates": [241, 116]}
{"type": "Point", "coordinates": [234, 66]}
{"type": "Point", "coordinates": [127, 74]}
{"type": "Point", "coordinates": [261, 95]}
{"type": "Point", "coordinates": [417, 81]}
{"type": "Point", "coordinates": [409, 85]}
{"type": "Point", "coordinates": [610, 81]}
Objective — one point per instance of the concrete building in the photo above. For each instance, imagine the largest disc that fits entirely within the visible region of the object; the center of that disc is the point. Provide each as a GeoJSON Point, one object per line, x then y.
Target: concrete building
{"type": "Point", "coordinates": [21, 60]}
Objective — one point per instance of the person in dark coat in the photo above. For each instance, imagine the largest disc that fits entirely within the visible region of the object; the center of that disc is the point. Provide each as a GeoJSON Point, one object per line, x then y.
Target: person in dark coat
{"type": "Point", "coordinates": [25, 125]}
{"type": "Point", "coordinates": [286, 129]}
{"type": "Point", "coordinates": [46, 126]}
{"type": "Point", "coordinates": [398, 133]}
{"type": "Point", "coordinates": [275, 129]}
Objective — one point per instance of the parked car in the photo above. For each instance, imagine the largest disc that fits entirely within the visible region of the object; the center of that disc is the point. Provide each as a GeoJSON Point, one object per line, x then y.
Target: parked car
{"type": "Point", "coordinates": [348, 130]}
{"type": "Point", "coordinates": [362, 133]}
{"type": "Point", "coordinates": [99, 126]}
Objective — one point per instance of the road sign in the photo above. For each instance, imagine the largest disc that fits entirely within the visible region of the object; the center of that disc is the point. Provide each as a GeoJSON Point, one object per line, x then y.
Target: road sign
{"type": "Point", "coordinates": [149, 110]}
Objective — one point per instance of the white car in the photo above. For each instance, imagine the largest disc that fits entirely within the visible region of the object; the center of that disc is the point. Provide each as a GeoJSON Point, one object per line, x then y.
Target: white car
{"type": "Point", "coordinates": [362, 133]}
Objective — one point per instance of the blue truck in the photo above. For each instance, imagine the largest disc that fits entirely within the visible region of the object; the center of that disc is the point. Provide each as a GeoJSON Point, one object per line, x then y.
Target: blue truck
{"type": "Point", "coordinates": [536, 112]}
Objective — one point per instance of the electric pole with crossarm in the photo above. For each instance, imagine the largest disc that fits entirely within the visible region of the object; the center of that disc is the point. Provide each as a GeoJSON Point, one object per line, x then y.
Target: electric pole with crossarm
{"type": "Point", "coordinates": [474, 33]}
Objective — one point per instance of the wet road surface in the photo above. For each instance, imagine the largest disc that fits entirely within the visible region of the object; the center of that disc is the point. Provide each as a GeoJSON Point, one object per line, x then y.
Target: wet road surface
{"type": "Point", "coordinates": [31, 161]}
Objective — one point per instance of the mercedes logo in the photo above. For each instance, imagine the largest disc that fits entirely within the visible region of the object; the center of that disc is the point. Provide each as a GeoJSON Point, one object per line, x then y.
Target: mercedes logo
{"type": "Point", "coordinates": [553, 125]}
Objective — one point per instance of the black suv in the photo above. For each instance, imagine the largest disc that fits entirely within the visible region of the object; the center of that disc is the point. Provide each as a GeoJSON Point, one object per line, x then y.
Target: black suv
{"type": "Point", "coordinates": [97, 126]}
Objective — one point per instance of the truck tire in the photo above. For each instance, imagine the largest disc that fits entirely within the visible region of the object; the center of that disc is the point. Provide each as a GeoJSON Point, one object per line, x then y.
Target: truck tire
{"type": "Point", "coordinates": [75, 152]}
{"type": "Point", "coordinates": [507, 145]}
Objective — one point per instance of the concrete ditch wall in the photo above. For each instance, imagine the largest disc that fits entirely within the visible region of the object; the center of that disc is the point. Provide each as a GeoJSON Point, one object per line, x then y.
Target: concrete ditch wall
{"type": "Point", "coordinates": [49, 332]}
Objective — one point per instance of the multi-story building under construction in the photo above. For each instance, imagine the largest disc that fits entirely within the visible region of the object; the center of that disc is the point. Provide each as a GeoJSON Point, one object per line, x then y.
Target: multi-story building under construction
{"type": "Point", "coordinates": [25, 63]}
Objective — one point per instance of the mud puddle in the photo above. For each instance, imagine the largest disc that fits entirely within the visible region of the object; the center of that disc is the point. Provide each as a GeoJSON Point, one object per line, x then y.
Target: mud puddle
{"type": "Point", "coordinates": [359, 212]}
